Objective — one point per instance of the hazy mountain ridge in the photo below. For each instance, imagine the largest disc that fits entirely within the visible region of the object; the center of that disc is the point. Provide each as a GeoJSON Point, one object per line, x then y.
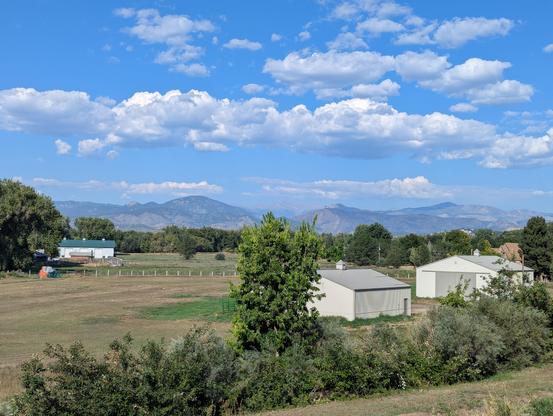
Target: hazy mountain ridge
{"type": "Point", "coordinates": [199, 211]}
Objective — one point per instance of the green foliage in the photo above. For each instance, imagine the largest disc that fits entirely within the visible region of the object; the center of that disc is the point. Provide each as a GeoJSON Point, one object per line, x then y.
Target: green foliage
{"type": "Point", "coordinates": [537, 246]}
{"type": "Point", "coordinates": [458, 242]}
{"type": "Point", "coordinates": [186, 244]}
{"type": "Point", "coordinates": [220, 256]}
{"type": "Point", "coordinates": [456, 298]}
{"type": "Point", "coordinates": [191, 376]}
{"type": "Point", "coordinates": [368, 245]}
{"type": "Point", "coordinates": [278, 272]}
{"type": "Point", "coordinates": [419, 255]}
{"type": "Point", "coordinates": [93, 228]}
{"type": "Point", "coordinates": [541, 407]}
{"type": "Point", "coordinates": [28, 222]}
{"type": "Point", "coordinates": [536, 296]}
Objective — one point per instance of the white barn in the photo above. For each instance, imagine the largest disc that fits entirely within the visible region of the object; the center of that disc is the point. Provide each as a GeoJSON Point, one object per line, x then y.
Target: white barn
{"type": "Point", "coordinates": [439, 278]}
{"type": "Point", "coordinates": [94, 249]}
{"type": "Point", "coordinates": [361, 293]}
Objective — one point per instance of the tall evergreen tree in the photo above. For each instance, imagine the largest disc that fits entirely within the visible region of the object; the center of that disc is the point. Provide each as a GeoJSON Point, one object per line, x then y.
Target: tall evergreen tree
{"type": "Point", "coordinates": [536, 245]}
{"type": "Point", "coordinates": [278, 273]}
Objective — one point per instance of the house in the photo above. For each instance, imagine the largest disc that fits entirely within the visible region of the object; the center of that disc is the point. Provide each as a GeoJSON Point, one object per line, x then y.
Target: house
{"type": "Point", "coordinates": [94, 249]}
{"type": "Point", "coordinates": [438, 278]}
{"type": "Point", "coordinates": [510, 251]}
{"type": "Point", "coordinates": [361, 293]}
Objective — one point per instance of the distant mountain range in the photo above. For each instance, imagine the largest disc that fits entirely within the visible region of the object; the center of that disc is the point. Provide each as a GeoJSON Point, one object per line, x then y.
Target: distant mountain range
{"type": "Point", "coordinates": [199, 211]}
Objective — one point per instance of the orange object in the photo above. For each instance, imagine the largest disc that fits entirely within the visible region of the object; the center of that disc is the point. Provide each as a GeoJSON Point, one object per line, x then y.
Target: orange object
{"type": "Point", "coordinates": [43, 274]}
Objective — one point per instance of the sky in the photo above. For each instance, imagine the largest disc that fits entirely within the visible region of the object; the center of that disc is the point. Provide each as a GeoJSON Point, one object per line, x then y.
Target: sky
{"type": "Point", "coordinates": [284, 104]}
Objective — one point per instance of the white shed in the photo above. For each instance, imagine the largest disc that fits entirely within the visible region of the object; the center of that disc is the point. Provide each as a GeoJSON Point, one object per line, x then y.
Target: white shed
{"type": "Point", "coordinates": [361, 293]}
{"type": "Point", "coordinates": [94, 249]}
{"type": "Point", "coordinates": [439, 278]}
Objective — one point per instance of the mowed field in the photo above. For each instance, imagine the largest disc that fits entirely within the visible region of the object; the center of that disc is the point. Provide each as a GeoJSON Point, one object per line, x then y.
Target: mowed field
{"type": "Point", "coordinates": [96, 310]}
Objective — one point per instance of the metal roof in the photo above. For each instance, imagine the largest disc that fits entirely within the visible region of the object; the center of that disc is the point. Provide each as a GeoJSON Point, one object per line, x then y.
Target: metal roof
{"type": "Point", "coordinates": [88, 243]}
{"type": "Point", "coordinates": [495, 263]}
{"type": "Point", "coordinates": [362, 279]}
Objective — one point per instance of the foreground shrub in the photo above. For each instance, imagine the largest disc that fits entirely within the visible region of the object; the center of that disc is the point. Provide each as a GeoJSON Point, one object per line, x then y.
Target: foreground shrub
{"type": "Point", "coordinates": [220, 256]}
{"type": "Point", "coordinates": [523, 331]}
{"type": "Point", "coordinates": [541, 407]}
{"type": "Point", "coordinates": [466, 344]}
{"type": "Point", "coordinates": [192, 376]}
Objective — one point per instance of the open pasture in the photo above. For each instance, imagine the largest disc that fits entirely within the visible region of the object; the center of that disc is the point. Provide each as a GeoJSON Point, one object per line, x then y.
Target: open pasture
{"type": "Point", "coordinates": [96, 310]}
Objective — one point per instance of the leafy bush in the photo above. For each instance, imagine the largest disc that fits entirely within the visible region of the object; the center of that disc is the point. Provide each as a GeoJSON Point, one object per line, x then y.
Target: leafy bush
{"type": "Point", "coordinates": [191, 376]}
{"type": "Point", "coordinates": [536, 296]}
{"type": "Point", "coordinates": [466, 344]}
{"type": "Point", "coordinates": [220, 256]}
{"type": "Point", "coordinates": [541, 407]}
{"type": "Point", "coordinates": [456, 298]}
{"type": "Point", "coordinates": [523, 331]}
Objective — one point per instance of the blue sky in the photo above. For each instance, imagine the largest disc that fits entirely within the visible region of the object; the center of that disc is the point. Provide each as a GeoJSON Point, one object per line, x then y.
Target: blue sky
{"type": "Point", "coordinates": [288, 104]}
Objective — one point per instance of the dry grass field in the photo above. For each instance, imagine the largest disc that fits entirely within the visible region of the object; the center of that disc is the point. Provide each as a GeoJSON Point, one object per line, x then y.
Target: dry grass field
{"type": "Point", "coordinates": [94, 311]}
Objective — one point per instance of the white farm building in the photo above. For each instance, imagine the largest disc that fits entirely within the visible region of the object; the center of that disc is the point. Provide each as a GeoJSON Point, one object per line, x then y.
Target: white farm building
{"type": "Point", "coordinates": [361, 293]}
{"type": "Point", "coordinates": [438, 278]}
{"type": "Point", "coordinates": [94, 249]}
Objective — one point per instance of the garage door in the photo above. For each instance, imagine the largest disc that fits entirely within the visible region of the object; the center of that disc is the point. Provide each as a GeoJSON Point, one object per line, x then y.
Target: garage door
{"type": "Point", "coordinates": [447, 281]}
{"type": "Point", "coordinates": [373, 303]}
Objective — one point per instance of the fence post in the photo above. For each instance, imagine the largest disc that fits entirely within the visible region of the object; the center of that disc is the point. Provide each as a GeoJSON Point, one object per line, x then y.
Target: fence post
{"type": "Point", "coordinates": [96, 272]}
{"type": "Point", "coordinates": [84, 272]}
{"type": "Point", "coordinates": [108, 272]}
{"type": "Point", "coordinates": [211, 274]}
{"type": "Point", "coordinates": [200, 273]}
{"type": "Point", "coordinates": [29, 273]}
{"type": "Point", "coordinates": [132, 272]}
{"type": "Point", "coordinates": [189, 273]}
{"type": "Point", "coordinates": [155, 272]}
{"type": "Point", "coordinates": [142, 272]}
{"type": "Point", "coordinates": [223, 273]}
{"type": "Point", "coordinates": [178, 272]}
{"type": "Point", "coordinates": [119, 273]}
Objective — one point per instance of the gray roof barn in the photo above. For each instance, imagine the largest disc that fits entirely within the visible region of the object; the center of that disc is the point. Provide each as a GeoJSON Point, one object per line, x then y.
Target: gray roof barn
{"type": "Point", "coordinates": [495, 263]}
{"type": "Point", "coordinates": [362, 279]}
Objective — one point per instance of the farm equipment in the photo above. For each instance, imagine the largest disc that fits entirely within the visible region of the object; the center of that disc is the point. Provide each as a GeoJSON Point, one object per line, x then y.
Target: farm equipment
{"type": "Point", "coordinates": [47, 272]}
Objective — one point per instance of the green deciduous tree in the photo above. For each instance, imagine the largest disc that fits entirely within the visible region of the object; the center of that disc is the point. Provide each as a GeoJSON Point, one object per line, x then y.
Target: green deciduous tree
{"type": "Point", "coordinates": [369, 244]}
{"type": "Point", "coordinates": [93, 228]}
{"type": "Point", "coordinates": [28, 221]}
{"type": "Point", "coordinates": [419, 255]}
{"type": "Point", "coordinates": [458, 242]}
{"type": "Point", "coordinates": [278, 273]}
{"type": "Point", "coordinates": [537, 245]}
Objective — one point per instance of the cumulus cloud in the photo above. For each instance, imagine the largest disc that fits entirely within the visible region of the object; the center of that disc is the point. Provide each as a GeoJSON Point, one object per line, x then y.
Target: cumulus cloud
{"type": "Point", "coordinates": [376, 26]}
{"type": "Point", "coordinates": [243, 44]}
{"type": "Point", "coordinates": [253, 88]}
{"type": "Point", "coordinates": [357, 127]}
{"type": "Point", "coordinates": [167, 187]}
{"type": "Point", "coordinates": [463, 108]}
{"type": "Point", "coordinates": [548, 48]}
{"type": "Point", "coordinates": [276, 37]}
{"type": "Point", "coordinates": [62, 147]}
{"type": "Point", "coordinates": [456, 32]}
{"type": "Point", "coordinates": [176, 32]}
{"type": "Point", "coordinates": [346, 41]}
{"type": "Point", "coordinates": [417, 187]}
{"type": "Point", "coordinates": [303, 36]}
{"type": "Point", "coordinates": [331, 69]}
{"type": "Point", "coordinates": [420, 66]}
{"type": "Point", "coordinates": [501, 92]}
{"type": "Point", "coordinates": [378, 92]}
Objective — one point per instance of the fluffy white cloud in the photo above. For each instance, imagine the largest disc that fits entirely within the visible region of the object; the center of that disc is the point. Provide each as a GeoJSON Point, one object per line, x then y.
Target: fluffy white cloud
{"type": "Point", "coordinates": [358, 127]}
{"type": "Point", "coordinates": [421, 66]}
{"type": "Point", "coordinates": [548, 48]}
{"type": "Point", "coordinates": [275, 37]}
{"type": "Point", "coordinates": [501, 92]}
{"type": "Point", "coordinates": [457, 32]}
{"type": "Point", "coordinates": [463, 108]}
{"type": "Point", "coordinates": [253, 88]}
{"type": "Point", "coordinates": [376, 26]}
{"type": "Point", "coordinates": [243, 44]}
{"type": "Point", "coordinates": [328, 70]}
{"type": "Point", "coordinates": [91, 147]}
{"type": "Point", "coordinates": [511, 151]}
{"type": "Point", "coordinates": [210, 147]}
{"type": "Point", "coordinates": [62, 147]}
{"type": "Point", "coordinates": [303, 36]}
{"type": "Point", "coordinates": [380, 8]}
{"type": "Point", "coordinates": [176, 32]}
{"type": "Point", "coordinates": [347, 40]}
{"type": "Point", "coordinates": [417, 187]}
{"type": "Point", "coordinates": [168, 187]}
{"type": "Point", "coordinates": [376, 92]}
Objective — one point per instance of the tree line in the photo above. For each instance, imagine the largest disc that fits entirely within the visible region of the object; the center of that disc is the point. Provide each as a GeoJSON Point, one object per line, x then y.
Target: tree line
{"type": "Point", "coordinates": [30, 221]}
